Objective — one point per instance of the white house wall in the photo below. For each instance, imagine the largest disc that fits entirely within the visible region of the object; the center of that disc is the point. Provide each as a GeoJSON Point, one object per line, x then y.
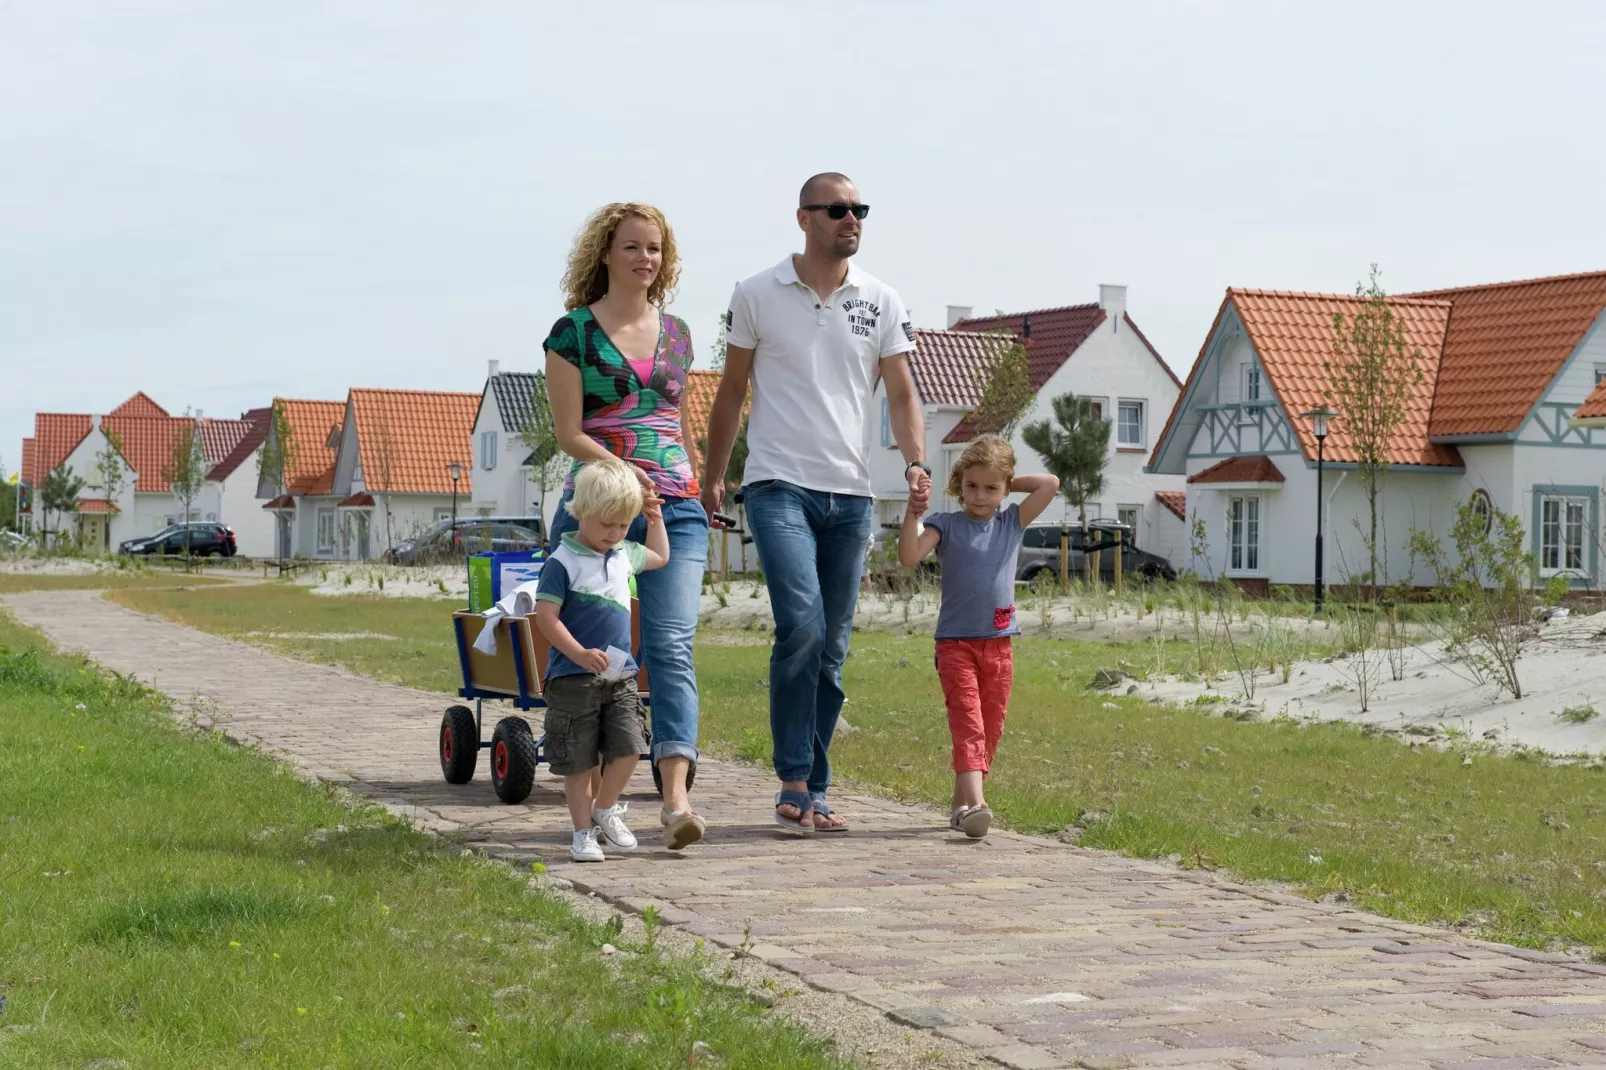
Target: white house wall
{"type": "Point", "coordinates": [241, 509]}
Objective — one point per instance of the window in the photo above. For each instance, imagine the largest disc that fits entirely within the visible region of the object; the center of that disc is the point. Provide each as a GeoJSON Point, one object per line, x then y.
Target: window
{"type": "Point", "coordinates": [326, 531]}
{"type": "Point", "coordinates": [1129, 424]}
{"type": "Point", "coordinates": [886, 426]}
{"type": "Point", "coordinates": [1251, 381]}
{"type": "Point", "coordinates": [1483, 509]}
{"type": "Point", "coordinates": [1098, 409]}
{"type": "Point", "coordinates": [1600, 374]}
{"type": "Point", "coordinates": [1243, 534]}
{"type": "Point", "coordinates": [1561, 534]}
{"type": "Point", "coordinates": [487, 450]}
{"type": "Point", "coordinates": [1128, 515]}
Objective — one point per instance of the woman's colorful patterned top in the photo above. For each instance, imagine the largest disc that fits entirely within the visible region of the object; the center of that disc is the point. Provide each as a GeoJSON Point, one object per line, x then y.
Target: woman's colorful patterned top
{"type": "Point", "coordinates": [636, 421]}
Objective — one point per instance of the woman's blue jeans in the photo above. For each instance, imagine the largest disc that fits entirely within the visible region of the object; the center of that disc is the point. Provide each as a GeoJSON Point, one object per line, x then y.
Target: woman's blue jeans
{"type": "Point", "coordinates": [811, 545]}
{"type": "Point", "coordinates": [670, 597]}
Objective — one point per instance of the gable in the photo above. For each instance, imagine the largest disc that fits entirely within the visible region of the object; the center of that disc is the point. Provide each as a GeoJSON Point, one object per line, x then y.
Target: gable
{"type": "Point", "coordinates": [141, 405]}
{"type": "Point", "coordinates": [406, 438]}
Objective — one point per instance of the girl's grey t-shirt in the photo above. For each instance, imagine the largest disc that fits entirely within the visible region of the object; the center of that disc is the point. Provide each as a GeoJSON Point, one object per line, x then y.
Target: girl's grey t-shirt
{"type": "Point", "coordinates": [978, 574]}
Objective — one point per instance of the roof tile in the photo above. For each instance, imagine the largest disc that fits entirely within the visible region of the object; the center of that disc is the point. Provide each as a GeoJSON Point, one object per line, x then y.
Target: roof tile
{"type": "Point", "coordinates": [140, 405]}
{"type": "Point", "coordinates": [1594, 406]}
{"type": "Point", "coordinates": [257, 422]}
{"type": "Point", "coordinates": [950, 367]}
{"type": "Point", "coordinates": [1293, 334]}
{"type": "Point", "coordinates": [147, 444]}
{"type": "Point", "coordinates": [1256, 468]}
{"type": "Point", "coordinates": [407, 438]}
{"type": "Point", "coordinates": [312, 470]}
{"type": "Point", "coordinates": [28, 454]}
{"type": "Point", "coordinates": [56, 435]}
{"type": "Point", "coordinates": [1506, 342]}
{"type": "Point", "coordinates": [1174, 500]}
{"type": "Point", "coordinates": [696, 405]}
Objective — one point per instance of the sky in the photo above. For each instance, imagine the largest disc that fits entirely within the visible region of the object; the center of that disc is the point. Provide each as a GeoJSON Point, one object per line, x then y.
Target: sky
{"type": "Point", "coordinates": [219, 203]}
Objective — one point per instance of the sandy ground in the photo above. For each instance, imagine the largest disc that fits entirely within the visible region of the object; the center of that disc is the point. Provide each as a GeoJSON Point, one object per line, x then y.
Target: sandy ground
{"type": "Point", "coordinates": [29, 565]}
{"type": "Point", "coordinates": [1565, 666]}
{"type": "Point", "coordinates": [389, 581]}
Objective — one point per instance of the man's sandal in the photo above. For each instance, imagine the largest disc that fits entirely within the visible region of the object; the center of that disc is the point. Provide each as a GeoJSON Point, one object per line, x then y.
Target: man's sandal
{"type": "Point", "coordinates": [803, 823]}
{"type": "Point", "coordinates": [682, 828]}
{"type": "Point", "coordinates": [973, 821]}
{"type": "Point", "coordinates": [823, 808]}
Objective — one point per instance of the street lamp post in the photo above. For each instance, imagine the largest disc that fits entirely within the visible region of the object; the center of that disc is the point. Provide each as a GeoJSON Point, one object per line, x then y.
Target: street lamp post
{"type": "Point", "coordinates": [456, 469]}
{"type": "Point", "coordinates": [1319, 419]}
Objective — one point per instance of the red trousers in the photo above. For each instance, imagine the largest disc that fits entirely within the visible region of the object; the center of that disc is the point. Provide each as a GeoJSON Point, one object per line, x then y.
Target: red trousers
{"type": "Point", "coordinates": [976, 676]}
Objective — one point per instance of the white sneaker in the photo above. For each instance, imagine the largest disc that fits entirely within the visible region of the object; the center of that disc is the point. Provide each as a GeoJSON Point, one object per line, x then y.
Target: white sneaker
{"type": "Point", "coordinates": [611, 823]}
{"type": "Point", "coordinates": [585, 848]}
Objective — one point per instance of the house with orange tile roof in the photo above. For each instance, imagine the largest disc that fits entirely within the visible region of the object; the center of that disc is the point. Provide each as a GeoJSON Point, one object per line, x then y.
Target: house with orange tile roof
{"type": "Point", "coordinates": [370, 473]}
{"type": "Point", "coordinates": [505, 481]}
{"type": "Point", "coordinates": [145, 436]}
{"type": "Point", "coordinates": [1499, 415]}
{"type": "Point", "coordinates": [1092, 350]}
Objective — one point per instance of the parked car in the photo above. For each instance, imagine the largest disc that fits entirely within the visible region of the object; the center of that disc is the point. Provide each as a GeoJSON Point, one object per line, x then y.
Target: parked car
{"type": "Point", "coordinates": [202, 539]}
{"type": "Point", "coordinates": [473, 534]}
{"type": "Point", "coordinates": [1040, 555]}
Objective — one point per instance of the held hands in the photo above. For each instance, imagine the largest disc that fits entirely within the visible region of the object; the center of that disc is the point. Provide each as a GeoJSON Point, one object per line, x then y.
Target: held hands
{"type": "Point", "coordinates": [592, 661]}
{"type": "Point", "coordinates": [652, 507]}
{"type": "Point", "coordinates": [919, 490]}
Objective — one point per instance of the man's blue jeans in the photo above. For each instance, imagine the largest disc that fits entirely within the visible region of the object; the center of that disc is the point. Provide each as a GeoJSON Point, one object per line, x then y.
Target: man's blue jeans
{"type": "Point", "coordinates": [669, 598]}
{"type": "Point", "coordinates": [811, 546]}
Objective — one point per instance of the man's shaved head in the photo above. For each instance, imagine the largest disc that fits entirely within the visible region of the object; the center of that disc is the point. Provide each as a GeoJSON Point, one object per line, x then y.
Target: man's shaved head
{"type": "Point", "coordinates": [809, 192]}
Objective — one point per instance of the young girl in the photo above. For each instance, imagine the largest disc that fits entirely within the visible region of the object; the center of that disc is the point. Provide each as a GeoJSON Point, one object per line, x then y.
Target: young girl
{"type": "Point", "coordinates": [975, 658]}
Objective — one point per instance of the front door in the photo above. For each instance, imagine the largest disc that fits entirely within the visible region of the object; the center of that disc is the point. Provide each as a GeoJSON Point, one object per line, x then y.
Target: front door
{"type": "Point", "coordinates": [362, 536]}
{"type": "Point", "coordinates": [284, 535]}
{"type": "Point", "coordinates": [95, 531]}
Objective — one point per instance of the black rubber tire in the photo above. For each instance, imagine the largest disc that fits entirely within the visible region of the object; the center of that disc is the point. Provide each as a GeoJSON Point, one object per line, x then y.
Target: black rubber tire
{"type": "Point", "coordinates": [513, 755]}
{"type": "Point", "coordinates": [459, 745]}
{"type": "Point", "coordinates": [658, 778]}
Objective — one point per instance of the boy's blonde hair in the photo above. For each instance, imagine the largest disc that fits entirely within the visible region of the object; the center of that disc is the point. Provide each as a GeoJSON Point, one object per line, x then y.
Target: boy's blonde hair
{"type": "Point", "coordinates": [606, 491]}
{"type": "Point", "coordinates": [989, 451]}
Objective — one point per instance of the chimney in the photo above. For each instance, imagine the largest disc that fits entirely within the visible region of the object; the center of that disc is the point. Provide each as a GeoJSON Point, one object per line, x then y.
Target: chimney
{"type": "Point", "coordinates": [1112, 299]}
{"type": "Point", "coordinates": [493, 368]}
{"type": "Point", "coordinates": [957, 313]}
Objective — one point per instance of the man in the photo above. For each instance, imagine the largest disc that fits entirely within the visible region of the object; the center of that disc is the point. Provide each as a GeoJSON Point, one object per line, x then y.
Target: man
{"type": "Point", "coordinates": [813, 334]}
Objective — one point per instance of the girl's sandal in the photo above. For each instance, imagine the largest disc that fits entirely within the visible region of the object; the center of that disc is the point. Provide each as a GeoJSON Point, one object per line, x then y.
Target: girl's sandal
{"type": "Point", "coordinates": [803, 823]}
{"type": "Point", "coordinates": [682, 828]}
{"type": "Point", "coordinates": [823, 809]}
{"type": "Point", "coordinates": [973, 821]}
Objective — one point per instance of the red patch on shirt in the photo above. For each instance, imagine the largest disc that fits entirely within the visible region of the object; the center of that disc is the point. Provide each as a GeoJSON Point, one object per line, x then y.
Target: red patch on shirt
{"type": "Point", "coordinates": [1002, 618]}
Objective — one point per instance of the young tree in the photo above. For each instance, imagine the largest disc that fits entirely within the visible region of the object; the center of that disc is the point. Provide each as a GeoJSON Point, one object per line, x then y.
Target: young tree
{"type": "Point", "coordinates": [1075, 448]}
{"type": "Point", "coordinates": [1371, 377]}
{"type": "Point", "coordinates": [276, 460]}
{"type": "Point", "coordinates": [111, 473]}
{"type": "Point", "coordinates": [1008, 391]}
{"type": "Point", "coordinates": [185, 473]}
{"type": "Point", "coordinates": [59, 495]}
{"type": "Point", "coordinates": [539, 435]}
{"type": "Point", "coordinates": [381, 479]}
{"type": "Point", "coordinates": [716, 359]}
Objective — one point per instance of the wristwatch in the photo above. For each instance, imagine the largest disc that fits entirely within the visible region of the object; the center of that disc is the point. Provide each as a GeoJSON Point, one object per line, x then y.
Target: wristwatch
{"type": "Point", "coordinates": [916, 464]}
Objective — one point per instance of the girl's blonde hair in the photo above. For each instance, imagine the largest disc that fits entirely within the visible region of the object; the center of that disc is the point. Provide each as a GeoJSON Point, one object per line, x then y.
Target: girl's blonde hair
{"type": "Point", "coordinates": [586, 279]}
{"type": "Point", "coordinates": [989, 451]}
{"type": "Point", "coordinates": [607, 491]}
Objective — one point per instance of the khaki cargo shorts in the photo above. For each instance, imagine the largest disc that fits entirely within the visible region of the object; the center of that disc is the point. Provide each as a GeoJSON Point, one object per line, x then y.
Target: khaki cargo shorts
{"type": "Point", "coordinates": [588, 718]}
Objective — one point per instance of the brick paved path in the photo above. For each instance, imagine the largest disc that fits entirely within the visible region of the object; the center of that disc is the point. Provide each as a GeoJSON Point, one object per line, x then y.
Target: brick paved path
{"type": "Point", "coordinates": [1037, 953]}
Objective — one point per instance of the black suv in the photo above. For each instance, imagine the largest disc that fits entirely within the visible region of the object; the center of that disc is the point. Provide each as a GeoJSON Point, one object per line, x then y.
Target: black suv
{"type": "Point", "coordinates": [203, 540]}
{"type": "Point", "coordinates": [1040, 555]}
{"type": "Point", "coordinates": [473, 535]}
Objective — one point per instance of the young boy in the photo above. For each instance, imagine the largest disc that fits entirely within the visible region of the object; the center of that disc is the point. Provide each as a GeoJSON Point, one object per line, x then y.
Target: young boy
{"type": "Point", "coordinates": [583, 609]}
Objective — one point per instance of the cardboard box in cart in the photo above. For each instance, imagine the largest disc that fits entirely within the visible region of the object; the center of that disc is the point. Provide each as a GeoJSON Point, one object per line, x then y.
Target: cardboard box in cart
{"type": "Point", "coordinates": [493, 575]}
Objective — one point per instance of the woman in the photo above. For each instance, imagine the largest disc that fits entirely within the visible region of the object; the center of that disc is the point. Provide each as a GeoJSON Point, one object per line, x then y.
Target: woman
{"type": "Point", "coordinates": [615, 371]}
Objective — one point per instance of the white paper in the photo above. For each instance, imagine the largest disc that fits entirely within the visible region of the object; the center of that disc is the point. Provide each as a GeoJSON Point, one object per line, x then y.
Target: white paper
{"type": "Point", "coordinates": [618, 663]}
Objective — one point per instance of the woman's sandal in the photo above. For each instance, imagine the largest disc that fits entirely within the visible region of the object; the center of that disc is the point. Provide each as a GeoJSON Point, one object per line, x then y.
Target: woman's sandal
{"type": "Point", "coordinates": [682, 828]}
{"type": "Point", "coordinates": [803, 823]}
{"type": "Point", "coordinates": [821, 807]}
{"type": "Point", "coordinates": [973, 821]}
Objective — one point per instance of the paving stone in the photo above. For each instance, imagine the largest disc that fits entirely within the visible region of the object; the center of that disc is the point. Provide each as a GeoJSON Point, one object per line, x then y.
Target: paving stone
{"type": "Point", "coordinates": [993, 944]}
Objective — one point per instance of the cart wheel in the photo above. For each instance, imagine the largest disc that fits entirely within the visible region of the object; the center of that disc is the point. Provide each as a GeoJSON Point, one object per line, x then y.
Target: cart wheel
{"type": "Point", "coordinates": [513, 757]}
{"type": "Point", "coordinates": [460, 745]}
{"type": "Point", "coordinates": [658, 778]}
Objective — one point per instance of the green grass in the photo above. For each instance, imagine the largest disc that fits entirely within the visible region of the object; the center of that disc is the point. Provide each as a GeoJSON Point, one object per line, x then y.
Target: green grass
{"type": "Point", "coordinates": [1579, 714]}
{"type": "Point", "coordinates": [17, 582]}
{"type": "Point", "coordinates": [1511, 847]}
{"type": "Point", "coordinates": [169, 900]}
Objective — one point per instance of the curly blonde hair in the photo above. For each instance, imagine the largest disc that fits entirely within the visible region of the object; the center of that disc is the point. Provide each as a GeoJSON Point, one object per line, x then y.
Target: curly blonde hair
{"type": "Point", "coordinates": [989, 451]}
{"type": "Point", "coordinates": [586, 279]}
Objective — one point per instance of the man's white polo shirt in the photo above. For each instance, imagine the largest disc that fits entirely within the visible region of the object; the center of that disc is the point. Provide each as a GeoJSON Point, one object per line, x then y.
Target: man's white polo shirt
{"type": "Point", "coordinates": [815, 366]}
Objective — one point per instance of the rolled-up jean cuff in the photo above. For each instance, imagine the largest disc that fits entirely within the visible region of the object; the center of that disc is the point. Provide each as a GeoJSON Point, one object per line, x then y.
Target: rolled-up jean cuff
{"type": "Point", "coordinates": [671, 748]}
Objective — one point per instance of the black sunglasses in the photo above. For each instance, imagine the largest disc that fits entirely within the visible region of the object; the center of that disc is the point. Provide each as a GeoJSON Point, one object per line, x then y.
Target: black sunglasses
{"type": "Point", "coordinates": [838, 211]}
